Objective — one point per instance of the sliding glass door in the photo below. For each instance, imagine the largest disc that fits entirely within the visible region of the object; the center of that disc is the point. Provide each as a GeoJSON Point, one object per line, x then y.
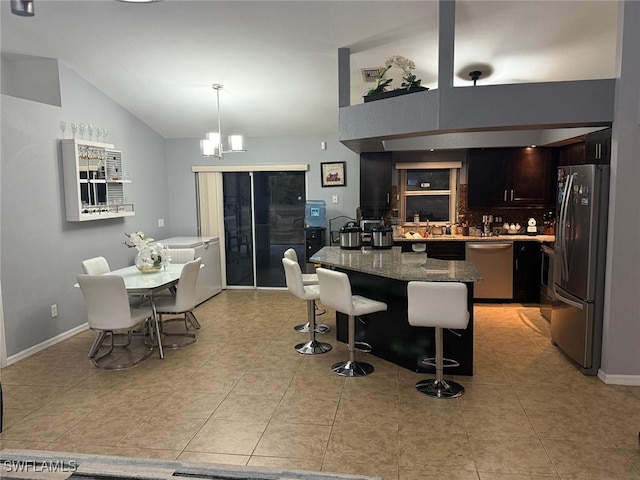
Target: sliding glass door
{"type": "Point", "coordinates": [263, 216]}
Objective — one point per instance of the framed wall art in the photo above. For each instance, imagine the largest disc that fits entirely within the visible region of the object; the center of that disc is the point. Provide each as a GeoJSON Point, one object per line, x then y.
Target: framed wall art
{"type": "Point", "coordinates": [333, 174]}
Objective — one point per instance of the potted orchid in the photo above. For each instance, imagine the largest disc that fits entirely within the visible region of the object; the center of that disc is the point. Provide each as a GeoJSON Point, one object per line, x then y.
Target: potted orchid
{"type": "Point", "coordinates": [151, 257]}
{"type": "Point", "coordinates": [409, 81]}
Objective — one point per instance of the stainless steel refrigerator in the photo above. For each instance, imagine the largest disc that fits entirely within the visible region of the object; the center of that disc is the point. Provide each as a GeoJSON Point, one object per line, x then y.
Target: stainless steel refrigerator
{"type": "Point", "coordinates": [579, 263]}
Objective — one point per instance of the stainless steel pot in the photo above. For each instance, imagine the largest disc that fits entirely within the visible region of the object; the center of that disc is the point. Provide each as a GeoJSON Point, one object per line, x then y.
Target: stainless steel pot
{"type": "Point", "coordinates": [350, 236]}
{"type": "Point", "coordinates": [382, 237]}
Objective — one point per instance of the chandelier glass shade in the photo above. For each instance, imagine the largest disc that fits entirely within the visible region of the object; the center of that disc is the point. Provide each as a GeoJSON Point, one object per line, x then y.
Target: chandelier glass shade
{"type": "Point", "coordinates": [211, 145]}
{"type": "Point", "coordinates": [24, 8]}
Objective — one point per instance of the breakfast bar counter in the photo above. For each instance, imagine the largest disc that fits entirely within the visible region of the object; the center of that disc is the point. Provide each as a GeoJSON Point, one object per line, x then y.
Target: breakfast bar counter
{"type": "Point", "coordinates": [383, 274]}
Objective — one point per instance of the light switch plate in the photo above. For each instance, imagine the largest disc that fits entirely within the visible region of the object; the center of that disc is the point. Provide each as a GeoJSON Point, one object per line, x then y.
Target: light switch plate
{"type": "Point", "coordinates": [335, 199]}
{"type": "Point", "coordinates": [161, 222]}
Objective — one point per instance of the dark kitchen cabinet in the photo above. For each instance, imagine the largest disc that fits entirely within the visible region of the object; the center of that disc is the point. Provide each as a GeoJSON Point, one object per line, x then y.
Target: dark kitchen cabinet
{"type": "Point", "coordinates": [598, 147]}
{"type": "Point", "coordinates": [527, 262]}
{"type": "Point", "coordinates": [375, 184]}
{"type": "Point", "coordinates": [572, 154]}
{"type": "Point", "coordinates": [511, 177]}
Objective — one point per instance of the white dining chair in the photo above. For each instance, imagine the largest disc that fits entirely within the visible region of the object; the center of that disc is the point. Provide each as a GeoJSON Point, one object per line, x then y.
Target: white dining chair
{"type": "Point", "coordinates": [110, 313]}
{"type": "Point", "coordinates": [182, 255]}
{"type": "Point", "coordinates": [177, 255]}
{"type": "Point", "coordinates": [95, 266]}
{"type": "Point", "coordinates": [182, 304]}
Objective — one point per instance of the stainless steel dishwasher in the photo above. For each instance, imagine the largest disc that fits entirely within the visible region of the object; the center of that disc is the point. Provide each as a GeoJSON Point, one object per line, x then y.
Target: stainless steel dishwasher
{"type": "Point", "coordinates": [494, 261]}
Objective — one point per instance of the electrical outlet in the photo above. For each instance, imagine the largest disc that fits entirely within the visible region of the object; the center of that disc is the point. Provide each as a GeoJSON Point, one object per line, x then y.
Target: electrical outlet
{"type": "Point", "coordinates": [335, 199]}
{"type": "Point", "coordinates": [54, 310]}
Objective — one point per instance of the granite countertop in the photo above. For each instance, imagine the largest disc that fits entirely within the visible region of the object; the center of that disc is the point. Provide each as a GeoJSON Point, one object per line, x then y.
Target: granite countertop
{"type": "Point", "coordinates": [392, 263]}
{"type": "Point", "coordinates": [477, 238]}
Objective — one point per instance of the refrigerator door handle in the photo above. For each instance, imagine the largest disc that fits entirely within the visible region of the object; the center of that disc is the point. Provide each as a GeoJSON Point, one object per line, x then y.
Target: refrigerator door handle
{"type": "Point", "coordinates": [563, 220]}
{"type": "Point", "coordinates": [566, 300]}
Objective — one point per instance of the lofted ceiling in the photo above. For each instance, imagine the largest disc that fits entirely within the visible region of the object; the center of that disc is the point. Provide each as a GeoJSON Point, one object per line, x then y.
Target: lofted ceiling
{"type": "Point", "coordinates": [278, 60]}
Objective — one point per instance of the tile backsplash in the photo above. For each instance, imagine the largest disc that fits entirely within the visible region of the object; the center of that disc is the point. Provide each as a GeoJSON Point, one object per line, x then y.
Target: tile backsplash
{"type": "Point", "coordinates": [473, 216]}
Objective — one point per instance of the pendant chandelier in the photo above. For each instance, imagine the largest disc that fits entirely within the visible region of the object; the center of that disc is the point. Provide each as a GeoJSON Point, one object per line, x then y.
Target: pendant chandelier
{"type": "Point", "coordinates": [24, 8]}
{"type": "Point", "coordinates": [211, 146]}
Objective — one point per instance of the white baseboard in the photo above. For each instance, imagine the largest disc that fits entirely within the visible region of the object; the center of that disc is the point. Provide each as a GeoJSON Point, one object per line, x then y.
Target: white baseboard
{"type": "Point", "coordinates": [631, 380]}
{"type": "Point", "coordinates": [46, 344]}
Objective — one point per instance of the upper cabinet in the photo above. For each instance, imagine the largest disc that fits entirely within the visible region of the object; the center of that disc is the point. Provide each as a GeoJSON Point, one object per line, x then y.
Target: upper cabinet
{"type": "Point", "coordinates": [93, 181]}
{"type": "Point", "coordinates": [598, 147]}
{"type": "Point", "coordinates": [511, 177]}
{"type": "Point", "coordinates": [375, 184]}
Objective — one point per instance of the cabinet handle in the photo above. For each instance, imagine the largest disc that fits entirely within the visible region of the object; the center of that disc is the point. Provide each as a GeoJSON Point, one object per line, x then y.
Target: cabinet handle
{"type": "Point", "coordinates": [505, 195]}
{"type": "Point", "coordinates": [512, 195]}
{"type": "Point", "coordinates": [388, 197]}
{"type": "Point", "coordinates": [516, 264]}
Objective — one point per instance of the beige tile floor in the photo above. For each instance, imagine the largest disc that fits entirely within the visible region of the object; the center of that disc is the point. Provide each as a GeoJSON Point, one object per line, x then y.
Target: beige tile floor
{"type": "Point", "coordinates": [242, 395]}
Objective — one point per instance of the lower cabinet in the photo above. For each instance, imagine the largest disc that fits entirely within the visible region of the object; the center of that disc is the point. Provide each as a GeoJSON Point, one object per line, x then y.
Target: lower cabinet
{"type": "Point", "coordinates": [527, 261]}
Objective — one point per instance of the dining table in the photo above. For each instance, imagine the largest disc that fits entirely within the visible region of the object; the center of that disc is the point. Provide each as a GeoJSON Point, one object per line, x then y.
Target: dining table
{"type": "Point", "coordinates": [147, 284]}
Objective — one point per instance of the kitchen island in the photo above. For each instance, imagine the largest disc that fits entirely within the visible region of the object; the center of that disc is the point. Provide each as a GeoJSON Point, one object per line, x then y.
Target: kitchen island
{"type": "Point", "coordinates": [383, 275]}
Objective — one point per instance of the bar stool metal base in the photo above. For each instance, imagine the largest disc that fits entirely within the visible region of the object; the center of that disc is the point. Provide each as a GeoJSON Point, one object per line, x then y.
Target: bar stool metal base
{"type": "Point", "coordinates": [351, 368]}
{"type": "Point", "coordinates": [320, 328]}
{"type": "Point", "coordinates": [313, 347]}
{"type": "Point", "coordinates": [439, 388]}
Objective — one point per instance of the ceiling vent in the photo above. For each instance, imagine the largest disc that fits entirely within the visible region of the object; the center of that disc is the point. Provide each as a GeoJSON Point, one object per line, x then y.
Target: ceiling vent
{"type": "Point", "coordinates": [369, 75]}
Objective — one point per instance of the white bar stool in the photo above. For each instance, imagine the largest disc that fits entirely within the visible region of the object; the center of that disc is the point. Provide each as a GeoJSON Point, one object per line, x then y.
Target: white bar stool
{"type": "Point", "coordinates": [309, 293]}
{"type": "Point", "coordinates": [307, 279]}
{"type": "Point", "coordinates": [335, 292]}
{"type": "Point", "coordinates": [440, 305]}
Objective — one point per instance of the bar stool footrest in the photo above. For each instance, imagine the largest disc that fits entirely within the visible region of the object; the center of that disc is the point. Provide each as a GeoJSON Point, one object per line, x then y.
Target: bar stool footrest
{"type": "Point", "coordinates": [446, 362]}
{"type": "Point", "coordinates": [320, 328]}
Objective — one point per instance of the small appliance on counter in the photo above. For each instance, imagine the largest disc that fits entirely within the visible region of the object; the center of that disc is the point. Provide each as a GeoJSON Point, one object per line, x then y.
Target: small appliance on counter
{"type": "Point", "coordinates": [382, 237]}
{"type": "Point", "coordinates": [367, 226]}
{"type": "Point", "coordinates": [532, 228]}
{"type": "Point", "coordinates": [350, 236]}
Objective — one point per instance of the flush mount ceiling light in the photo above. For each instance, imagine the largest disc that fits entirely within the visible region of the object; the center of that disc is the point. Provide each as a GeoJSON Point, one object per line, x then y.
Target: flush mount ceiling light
{"type": "Point", "coordinates": [212, 146]}
{"type": "Point", "coordinates": [24, 8]}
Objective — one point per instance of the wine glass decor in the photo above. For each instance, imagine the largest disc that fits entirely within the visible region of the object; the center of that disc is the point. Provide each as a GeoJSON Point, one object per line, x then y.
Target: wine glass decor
{"type": "Point", "coordinates": [90, 131]}
{"type": "Point", "coordinates": [74, 128]}
{"type": "Point", "coordinates": [63, 127]}
{"type": "Point", "coordinates": [81, 130]}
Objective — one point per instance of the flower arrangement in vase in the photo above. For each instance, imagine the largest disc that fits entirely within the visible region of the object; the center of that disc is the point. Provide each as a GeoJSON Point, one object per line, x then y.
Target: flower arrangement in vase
{"type": "Point", "coordinates": [409, 81]}
{"type": "Point", "coordinates": [151, 257]}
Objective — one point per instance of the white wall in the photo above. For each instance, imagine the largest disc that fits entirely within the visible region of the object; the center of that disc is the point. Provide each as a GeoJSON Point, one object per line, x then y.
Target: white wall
{"type": "Point", "coordinates": [41, 251]}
